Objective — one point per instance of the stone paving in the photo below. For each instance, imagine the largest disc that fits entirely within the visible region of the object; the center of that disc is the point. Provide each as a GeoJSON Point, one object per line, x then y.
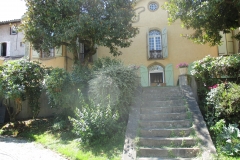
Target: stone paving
{"type": "Point", "coordinates": [18, 149]}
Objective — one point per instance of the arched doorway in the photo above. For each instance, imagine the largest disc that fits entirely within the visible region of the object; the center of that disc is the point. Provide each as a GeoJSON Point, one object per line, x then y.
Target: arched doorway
{"type": "Point", "coordinates": [156, 76]}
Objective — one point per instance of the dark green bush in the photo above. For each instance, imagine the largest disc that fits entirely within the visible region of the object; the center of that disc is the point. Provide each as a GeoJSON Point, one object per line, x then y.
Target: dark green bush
{"type": "Point", "coordinates": [227, 138]}
{"type": "Point", "coordinates": [111, 91]}
{"type": "Point", "coordinates": [59, 88]}
{"type": "Point", "coordinates": [21, 80]}
{"type": "Point", "coordinates": [114, 85]}
{"type": "Point", "coordinates": [94, 122]}
{"type": "Point", "coordinates": [224, 102]}
{"type": "Point", "coordinates": [105, 63]}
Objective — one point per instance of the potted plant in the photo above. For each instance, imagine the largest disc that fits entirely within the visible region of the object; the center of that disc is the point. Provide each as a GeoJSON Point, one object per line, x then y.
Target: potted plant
{"type": "Point", "coordinates": [183, 68]}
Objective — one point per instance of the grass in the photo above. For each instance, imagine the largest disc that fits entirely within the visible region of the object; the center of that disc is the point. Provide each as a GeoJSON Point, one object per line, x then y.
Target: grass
{"type": "Point", "coordinates": [63, 141]}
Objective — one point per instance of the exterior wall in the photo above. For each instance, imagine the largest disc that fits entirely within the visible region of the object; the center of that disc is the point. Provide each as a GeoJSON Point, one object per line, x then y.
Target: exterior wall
{"type": "Point", "coordinates": [57, 61]}
{"type": "Point", "coordinates": [179, 49]}
{"type": "Point", "coordinates": [15, 40]}
{"type": "Point", "coordinates": [1, 61]}
{"type": "Point", "coordinates": [52, 62]}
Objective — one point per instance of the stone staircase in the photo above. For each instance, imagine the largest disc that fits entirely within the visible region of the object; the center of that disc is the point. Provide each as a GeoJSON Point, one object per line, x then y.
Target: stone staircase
{"type": "Point", "coordinates": [162, 127]}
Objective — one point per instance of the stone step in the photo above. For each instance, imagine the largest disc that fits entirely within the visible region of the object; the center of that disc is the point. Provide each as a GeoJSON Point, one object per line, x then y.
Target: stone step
{"type": "Point", "coordinates": [175, 132]}
{"type": "Point", "coordinates": [167, 142]}
{"type": "Point", "coordinates": [168, 152]}
{"type": "Point", "coordinates": [165, 124]}
{"type": "Point", "coordinates": [168, 103]}
{"type": "Point", "coordinates": [161, 90]}
{"type": "Point", "coordinates": [164, 116]}
{"type": "Point", "coordinates": [161, 97]}
{"type": "Point", "coordinates": [155, 110]}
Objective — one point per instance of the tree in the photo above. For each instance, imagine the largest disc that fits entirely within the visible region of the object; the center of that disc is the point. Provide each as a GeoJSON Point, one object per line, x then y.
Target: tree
{"type": "Point", "coordinates": [206, 17]}
{"type": "Point", "coordinates": [52, 23]}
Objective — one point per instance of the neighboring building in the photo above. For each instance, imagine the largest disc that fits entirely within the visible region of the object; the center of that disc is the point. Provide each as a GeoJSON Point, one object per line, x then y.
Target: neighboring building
{"type": "Point", "coordinates": [158, 48]}
{"type": "Point", "coordinates": [11, 41]}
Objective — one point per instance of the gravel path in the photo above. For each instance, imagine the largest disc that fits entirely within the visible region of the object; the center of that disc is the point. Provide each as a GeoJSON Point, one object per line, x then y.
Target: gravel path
{"type": "Point", "coordinates": [17, 149]}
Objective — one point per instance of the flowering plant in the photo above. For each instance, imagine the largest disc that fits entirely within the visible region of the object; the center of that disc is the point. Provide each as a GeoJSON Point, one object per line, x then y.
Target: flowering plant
{"type": "Point", "coordinates": [182, 65]}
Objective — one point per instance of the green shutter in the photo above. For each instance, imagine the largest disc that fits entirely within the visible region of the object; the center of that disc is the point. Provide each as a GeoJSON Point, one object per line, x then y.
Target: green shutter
{"type": "Point", "coordinates": [164, 43]}
{"type": "Point", "coordinates": [144, 76]}
{"type": "Point", "coordinates": [222, 50]}
{"type": "Point", "coordinates": [190, 68]}
{"type": "Point", "coordinates": [148, 49]}
{"type": "Point", "coordinates": [169, 75]}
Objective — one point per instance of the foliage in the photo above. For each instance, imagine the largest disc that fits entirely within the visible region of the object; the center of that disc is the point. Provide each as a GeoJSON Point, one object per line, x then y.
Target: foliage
{"type": "Point", "coordinates": [227, 138]}
{"type": "Point", "coordinates": [209, 71]}
{"type": "Point", "coordinates": [58, 87]}
{"type": "Point", "coordinates": [114, 84]}
{"type": "Point", "coordinates": [52, 23]}
{"type": "Point", "coordinates": [21, 80]}
{"type": "Point", "coordinates": [217, 66]}
{"type": "Point", "coordinates": [224, 101]}
{"type": "Point", "coordinates": [105, 62]}
{"type": "Point", "coordinates": [206, 17]}
{"type": "Point", "coordinates": [80, 75]}
{"type": "Point", "coordinates": [94, 122]}
{"type": "Point", "coordinates": [103, 113]}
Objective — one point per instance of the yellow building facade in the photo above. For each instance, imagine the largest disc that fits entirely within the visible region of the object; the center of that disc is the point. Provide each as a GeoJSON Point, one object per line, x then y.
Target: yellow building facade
{"type": "Point", "coordinates": [159, 53]}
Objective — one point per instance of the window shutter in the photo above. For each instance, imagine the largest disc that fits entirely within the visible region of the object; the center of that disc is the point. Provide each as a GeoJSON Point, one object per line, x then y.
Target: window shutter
{"type": "Point", "coordinates": [144, 76]}
{"type": "Point", "coordinates": [27, 48]}
{"type": "Point", "coordinates": [222, 50]}
{"type": "Point", "coordinates": [0, 49]}
{"type": "Point", "coordinates": [190, 68]}
{"type": "Point", "coordinates": [229, 41]}
{"type": "Point", "coordinates": [148, 49]}
{"type": "Point", "coordinates": [58, 52]}
{"type": "Point", "coordinates": [169, 75]}
{"type": "Point", "coordinates": [164, 43]}
{"type": "Point", "coordinates": [8, 49]}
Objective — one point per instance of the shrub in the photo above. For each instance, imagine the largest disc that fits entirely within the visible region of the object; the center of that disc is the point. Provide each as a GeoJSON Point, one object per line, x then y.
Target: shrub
{"type": "Point", "coordinates": [224, 101]}
{"type": "Point", "coordinates": [110, 94]}
{"type": "Point", "coordinates": [57, 84]}
{"type": "Point", "coordinates": [105, 63]}
{"type": "Point", "coordinates": [94, 122]}
{"type": "Point", "coordinates": [116, 85]}
{"type": "Point", "coordinates": [21, 80]}
{"type": "Point", "coordinates": [227, 138]}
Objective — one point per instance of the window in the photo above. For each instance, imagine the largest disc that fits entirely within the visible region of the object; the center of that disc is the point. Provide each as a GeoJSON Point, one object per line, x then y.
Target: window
{"type": "Point", "coordinates": [53, 52]}
{"type": "Point", "coordinates": [153, 6]}
{"type": "Point", "coordinates": [50, 53]}
{"type": "Point", "coordinates": [13, 30]}
{"type": "Point", "coordinates": [157, 44]}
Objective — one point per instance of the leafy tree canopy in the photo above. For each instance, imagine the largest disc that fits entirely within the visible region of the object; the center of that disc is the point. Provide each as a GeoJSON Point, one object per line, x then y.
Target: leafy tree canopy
{"type": "Point", "coordinates": [52, 23]}
{"type": "Point", "coordinates": [206, 17]}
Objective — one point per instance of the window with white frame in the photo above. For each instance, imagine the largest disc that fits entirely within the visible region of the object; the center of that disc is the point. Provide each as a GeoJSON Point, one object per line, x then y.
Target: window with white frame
{"type": "Point", "coordinates": [50, 53]}
{"type": "Point", "coordinates": [155, 46]}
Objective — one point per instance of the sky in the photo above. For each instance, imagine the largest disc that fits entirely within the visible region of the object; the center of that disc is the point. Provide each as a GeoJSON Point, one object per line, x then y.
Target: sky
{"type": "Point", "coordinates": [12, 9]}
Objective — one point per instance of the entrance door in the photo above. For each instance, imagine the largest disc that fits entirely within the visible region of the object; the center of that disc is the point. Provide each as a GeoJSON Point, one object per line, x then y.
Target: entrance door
{"type": "Point", "coordinates": [156, 76]}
